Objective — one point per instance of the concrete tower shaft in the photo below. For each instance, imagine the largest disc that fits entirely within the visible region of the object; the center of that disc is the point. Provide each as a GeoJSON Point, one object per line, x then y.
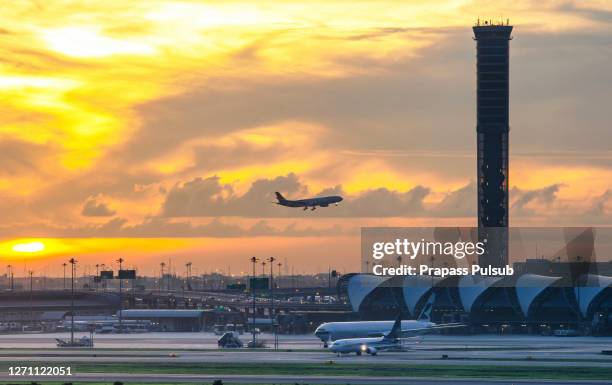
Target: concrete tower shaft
{"type": "Point", "coordinates": [492, 127]}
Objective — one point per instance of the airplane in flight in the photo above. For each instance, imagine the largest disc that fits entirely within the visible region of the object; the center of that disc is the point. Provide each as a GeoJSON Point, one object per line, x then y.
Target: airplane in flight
{"type": "Point", "coordinates": [333, 331]}
{"type": "Point", "coordinates": [310, 202]}
{"type": "Point", "coordinates": [370, 345]}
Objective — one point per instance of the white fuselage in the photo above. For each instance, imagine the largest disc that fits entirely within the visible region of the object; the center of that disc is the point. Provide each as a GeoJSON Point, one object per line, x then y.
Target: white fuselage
{"type": "Point", "coordinates": [332, 331]}
{"type": "Point", "coordinates": [362, 345]}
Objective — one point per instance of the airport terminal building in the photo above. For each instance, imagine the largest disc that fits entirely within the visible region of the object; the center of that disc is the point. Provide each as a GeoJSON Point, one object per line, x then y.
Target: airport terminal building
{"type": "Point", "coordinates": [534, 300]}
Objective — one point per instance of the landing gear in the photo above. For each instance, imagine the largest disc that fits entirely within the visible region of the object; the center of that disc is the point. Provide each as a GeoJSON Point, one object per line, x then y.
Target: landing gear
{"type": "Point", "coordinates": [313, 208]}
{"type": "Point", "coordinates": [359, 352]}
{"type": "Point", "coordinates": [305, 208]}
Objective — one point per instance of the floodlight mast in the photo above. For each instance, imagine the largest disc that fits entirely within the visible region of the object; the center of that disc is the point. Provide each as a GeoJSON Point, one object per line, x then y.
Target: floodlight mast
{"type": "Point", "coordinates": [120, 260]}
{"type": "Point", "coordinates": [254, 260]}
{"type": "Point", "coordinates": [72, 271]}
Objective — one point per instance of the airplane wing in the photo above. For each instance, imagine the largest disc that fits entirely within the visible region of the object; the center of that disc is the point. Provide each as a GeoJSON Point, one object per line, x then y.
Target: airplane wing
{"type": "Point", "coordinates": [419, 331]}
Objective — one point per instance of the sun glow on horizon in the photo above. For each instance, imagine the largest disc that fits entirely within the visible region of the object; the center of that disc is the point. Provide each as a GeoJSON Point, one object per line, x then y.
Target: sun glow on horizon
{"type": "Point", "coordinates": [30, 247]}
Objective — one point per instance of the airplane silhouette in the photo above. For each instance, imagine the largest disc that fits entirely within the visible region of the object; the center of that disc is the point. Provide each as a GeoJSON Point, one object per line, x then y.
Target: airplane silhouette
{"type": "Point", "coordinates": [310, 202]}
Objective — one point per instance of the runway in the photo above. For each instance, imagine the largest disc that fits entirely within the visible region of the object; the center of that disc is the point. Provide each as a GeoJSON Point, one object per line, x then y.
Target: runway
{"type": "Point", "coordinates": [280, 379]}
{"type": "Point", "coordinates": [202, 347]}
{"type": "Point", "coordinates": [204, 340]}
{"type": "Point", "coordinates": [411, 357]}
{"type": "Point", "coordinates": [439, 351]}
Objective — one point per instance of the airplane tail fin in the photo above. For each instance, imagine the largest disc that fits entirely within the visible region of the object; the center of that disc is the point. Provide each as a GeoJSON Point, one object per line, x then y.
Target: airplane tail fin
{"type": "Point", "coordinates": [396, 330]}
{"type": "Point", "coordinates": [279, 196]}
{"type": "Point", "coordinates": [426, 312]}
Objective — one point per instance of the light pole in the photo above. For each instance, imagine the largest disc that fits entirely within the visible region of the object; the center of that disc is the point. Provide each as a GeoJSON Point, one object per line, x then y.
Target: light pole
{"type": "Point", "coordinates": [64, 281]}
{"type": "Point", "coordinates": [169, 272]}
{"type": "Point", "coordinates": [188, 266]}
{"type": "Point", "coordinates": [10, 276]}
{"type": "Point", "coordinates": [31, 273]}
{"type": "Point", "coordinates": [161, 277]}
{"type": "Point", "coordinates": [272, 259]}
{"type": "Point", "coordinates": [120, 260]}
{"type": "Point", "coordinates": [97, 279]}
{"type": "Point", "coordinates": [72, 269]}
{"type": "Point", "coordinates": [104, 281]}
{"type": "Point", "coordinates": [254, 261]}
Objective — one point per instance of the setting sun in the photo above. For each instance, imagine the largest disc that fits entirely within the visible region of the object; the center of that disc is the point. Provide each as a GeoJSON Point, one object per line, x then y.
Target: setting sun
{"type": "Point", "coordinates": [30, 247]}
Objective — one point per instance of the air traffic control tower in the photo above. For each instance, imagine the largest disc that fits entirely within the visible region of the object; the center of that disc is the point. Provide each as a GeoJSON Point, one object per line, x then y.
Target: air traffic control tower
{"type": "Point", "coordinates": [492, 127]}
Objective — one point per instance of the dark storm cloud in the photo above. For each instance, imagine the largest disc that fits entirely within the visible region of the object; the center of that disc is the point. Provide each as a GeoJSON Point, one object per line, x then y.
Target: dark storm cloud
{"type": "Point", "coordinates": [458, 203]}
{"type": "Point", "coordinates": [595, 14]}
{"type": "Point", "coordinates": [598, 207]}
{"type": "Point", "coordinates": [353, 107]}
{"type": "Point", "coordinates": [382, 202]}
{"type": "Point", "coordinates": [94, 208]}
{"type": "Point", "coordinates": [416, 103]}
{"type": "Point", "coordinates": [544, 197]}
{"type": "Point", "coordinates": [208, 198]}
{"type": "Point", "coordinates": [213, 157]}
{"type": "Point", "coordinates": [113, 182]}
{"type": "Point", "coordinates": [558, 85]}
{"type": "Point", "coordinates": [409, 32]}
{"type": "Point", "coordinates": [165, 228]}
{"type": "Point", "coordinates": [17, 157]}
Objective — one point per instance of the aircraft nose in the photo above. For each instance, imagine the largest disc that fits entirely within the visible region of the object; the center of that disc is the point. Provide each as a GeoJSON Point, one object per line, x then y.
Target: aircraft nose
{"type": "Point", "coordinates": [322, 333]}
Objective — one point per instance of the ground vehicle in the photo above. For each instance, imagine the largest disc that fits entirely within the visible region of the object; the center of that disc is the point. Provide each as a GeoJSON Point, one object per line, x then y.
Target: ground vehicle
{"type": "Point", "coordinates": [257, 344]}
{"type": "Point", "coordinates": [229, 340]}
{"type": "Point", "coordinates": [81, 342]}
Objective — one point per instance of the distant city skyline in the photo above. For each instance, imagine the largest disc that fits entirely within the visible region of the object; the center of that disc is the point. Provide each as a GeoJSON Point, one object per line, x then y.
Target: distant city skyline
{"type": "Point", "coordinates": [154, 130]}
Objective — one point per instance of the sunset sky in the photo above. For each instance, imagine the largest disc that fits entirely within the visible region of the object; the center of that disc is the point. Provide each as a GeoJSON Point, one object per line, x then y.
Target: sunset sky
{"type": "Point", "coordinates": [160, 129]}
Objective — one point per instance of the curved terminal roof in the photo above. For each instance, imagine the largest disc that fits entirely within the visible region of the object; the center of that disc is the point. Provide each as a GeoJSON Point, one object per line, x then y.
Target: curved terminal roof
{"type": "Point", "coordinates": [471, 287]}
{"type": "Point", "coordinates": [415, 287]}
{"type": "Point", "coordinates": [360, 286]}
{"type": "Point", "coordinates": [594, 284]}
{"type": "Point", "coordinates": [529, 287]}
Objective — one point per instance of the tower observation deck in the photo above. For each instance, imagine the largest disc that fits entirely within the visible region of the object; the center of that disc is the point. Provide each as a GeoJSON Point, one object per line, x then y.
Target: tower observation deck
{"type": "Point", "coordinates": [492, 128]}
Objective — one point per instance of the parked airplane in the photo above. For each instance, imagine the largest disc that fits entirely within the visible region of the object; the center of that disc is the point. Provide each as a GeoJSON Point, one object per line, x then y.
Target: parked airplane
{"type": "Point", "coordinates": [333, 331]}
{"type": "Point", "coordinates": [310, 202]}
{"type": "Point", "coordinates": [371, 346]}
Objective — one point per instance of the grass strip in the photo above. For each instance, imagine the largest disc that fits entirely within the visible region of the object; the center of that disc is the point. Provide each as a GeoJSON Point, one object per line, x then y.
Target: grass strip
{"type": "Point", "coordinates": [335, 369]}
